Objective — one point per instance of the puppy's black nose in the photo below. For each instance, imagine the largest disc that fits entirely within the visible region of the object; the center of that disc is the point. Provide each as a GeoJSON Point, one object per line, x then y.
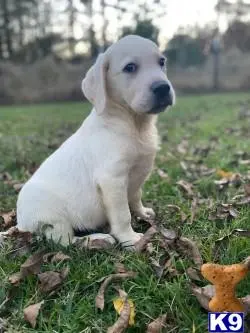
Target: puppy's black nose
{"type": "Point", "coordinates": [161, 89]}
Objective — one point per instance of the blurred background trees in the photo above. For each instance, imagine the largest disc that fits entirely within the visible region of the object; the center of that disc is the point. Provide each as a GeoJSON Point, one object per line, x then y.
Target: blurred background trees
{"type": "Point", "coordinates": [75, 31]}
{"type": "Point", "coordinates": [33, 29]}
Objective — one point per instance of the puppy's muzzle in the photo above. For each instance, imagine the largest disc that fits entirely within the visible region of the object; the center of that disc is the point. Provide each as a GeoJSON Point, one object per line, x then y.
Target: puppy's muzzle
{"type": "Point", "coordinates": [162, 96]}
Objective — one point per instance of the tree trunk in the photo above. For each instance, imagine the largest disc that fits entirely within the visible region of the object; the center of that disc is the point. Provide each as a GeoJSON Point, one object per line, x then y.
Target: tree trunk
{"type": "Point", "coordinates": [71, 27]}
{"type": "Point", "coordinates": [104, 26]}
{"type": "Point", "coordinates": [7, 29]}
{"type": "Point", "coordinates": [1, 46]}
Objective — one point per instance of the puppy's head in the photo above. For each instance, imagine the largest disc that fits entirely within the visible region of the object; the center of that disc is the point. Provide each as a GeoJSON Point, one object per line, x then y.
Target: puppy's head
{"type": "Point", "coordinates": [132, 74]}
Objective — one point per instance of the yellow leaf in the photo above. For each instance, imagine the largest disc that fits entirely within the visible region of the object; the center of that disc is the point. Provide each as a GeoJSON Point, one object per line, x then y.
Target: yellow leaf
{"type": "Point", "coordinates": [118, 305]}
{"type": "Point", "coordinates": [225, 174]}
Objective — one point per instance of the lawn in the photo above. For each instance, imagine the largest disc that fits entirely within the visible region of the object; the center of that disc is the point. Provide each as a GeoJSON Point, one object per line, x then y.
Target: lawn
{"type": "Point", "coordinates": [211, 131]}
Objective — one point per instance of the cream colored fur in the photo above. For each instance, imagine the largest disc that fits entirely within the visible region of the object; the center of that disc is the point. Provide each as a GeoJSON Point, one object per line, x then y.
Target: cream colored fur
{"type": "Point", "coordinates": [97, 174]}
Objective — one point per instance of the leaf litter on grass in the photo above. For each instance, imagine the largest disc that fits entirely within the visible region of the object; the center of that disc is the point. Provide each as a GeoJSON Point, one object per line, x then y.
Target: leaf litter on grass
{"type": "Point", "coordinates": [31, 313]}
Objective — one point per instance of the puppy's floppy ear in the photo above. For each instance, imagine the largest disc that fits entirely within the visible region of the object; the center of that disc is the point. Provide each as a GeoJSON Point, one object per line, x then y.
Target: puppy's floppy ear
{"type": "Point", "coordinates": [94, 83]}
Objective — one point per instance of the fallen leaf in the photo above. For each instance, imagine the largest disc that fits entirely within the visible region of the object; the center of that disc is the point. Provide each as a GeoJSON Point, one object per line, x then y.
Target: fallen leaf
{"type": "Point", "coordinates": [222, 184]}
{"type": "Point", "coordinates": [5, 176]}
{"type": "Point", "coordinates": [123, 321]}
{"type": "Point", "coordinates": [195, 170]}
{"type": "Point", "coordinates": [186, 187]}
{"type": "Point", "coordinates": [244, 162]}
{"type": "Point", "coordinates": [55, 257]}
{"type": "Point", "coordinates": [182, 147]}
{"type": "Point", "coordinates": [15, 278]}
{"type": "Point", "coordinates": [145, 239]}
{"type": "Point", "coordinates": [18, 186]}
{"type": "Point", "coordinates": [120, 268]}
{"type": "Point", "coordinates": [31, 313]}
{"type": "Point", "coordinates": [158, 269]}
{"type": "Point", "coordinates": [246, 262]}
{"type": "Point", "coordinates": [247, 189]}
{"type": "Point", "coordinates": [202, 151]}
{"type": "Point", "coordinates": [223, 241]}
{"type": "Point", "coordinates": [178, 209]}
{"type": "Point", "coordinates": [223, 212]}
{"type": "Point", "coordinates": [193, 274]}
{"type": "Point", "coordinates": [162, 174]}
{"type": "Point", "coordinates": [194, 205]}
{"type": "Point", "coordinates": [203, 294]}
{"type": "Point", "coordinates": [8, 218]}
{"type": "Point", "coordinates": [119, 304]}
{"type": "Point", "coordinates": [157, 325]}
{"type": "Point", "coordinates": [99, 300]}
{"type": "Point", "coordinates": [246, 302]}
{"type": "Point", "coordinates": [50, 280]}
{"type": "Point", "coordinates": [31, 266]}
{"type": "Point", "coordinates": [189, 247]}
{"type": "Point", "coordinates": [225, 174]}
{"type": "Point", "coordinates": [169, 235]}
{"type": "Point", "coordinates": [21, 241]}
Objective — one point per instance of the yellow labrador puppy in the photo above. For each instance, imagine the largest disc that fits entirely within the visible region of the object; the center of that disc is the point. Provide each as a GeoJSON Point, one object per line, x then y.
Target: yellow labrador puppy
{"type": "Point", "coordinates": [96, 176]}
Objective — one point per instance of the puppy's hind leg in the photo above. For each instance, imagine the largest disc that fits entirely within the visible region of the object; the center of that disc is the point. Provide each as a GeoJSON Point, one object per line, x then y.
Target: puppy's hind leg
{"type": "Point", "coordinates": [59, 232]}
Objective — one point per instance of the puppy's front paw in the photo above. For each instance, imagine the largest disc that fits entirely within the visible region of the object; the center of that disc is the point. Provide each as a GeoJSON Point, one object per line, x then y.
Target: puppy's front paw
{"type": "Point", "coordinates": [146, 214]}
{"type": "Point", "coordinates": [131, 240]}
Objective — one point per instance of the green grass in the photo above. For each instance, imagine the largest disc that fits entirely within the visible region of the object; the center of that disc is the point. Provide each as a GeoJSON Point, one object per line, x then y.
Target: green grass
{"type": "Point", "coordinates": [28, 134]}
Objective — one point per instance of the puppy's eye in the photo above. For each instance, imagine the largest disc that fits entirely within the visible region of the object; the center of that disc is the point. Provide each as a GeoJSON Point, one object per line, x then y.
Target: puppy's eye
{"type": "Point", "coordinates": [130, 68]}
{"type": "Point", "coordinates": [162, 62]}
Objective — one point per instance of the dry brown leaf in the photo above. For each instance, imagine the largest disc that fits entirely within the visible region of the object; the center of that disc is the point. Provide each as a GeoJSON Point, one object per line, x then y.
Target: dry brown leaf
{"type": "Point", "coordinates": [99, 300]}
{"type": "Point", "coordinates": [203, 294]}
{"type": "Point", "coordinates": [158, 269]}
{"type": "Point", "coordinates": [189, 247]}
{"type": "Point", "coordinates": [223, 241]}
{"type": "Point", "coordinates": [246, 302]}
{"type": "Point", "coordinates": [169, 235]}
{"type": "Point", "coordinates": [119, 304]}
{"type": "Point", "coordinates": [8, 218]}
{"type": "Point", "coordinates": [31, 266]}
{"type": "Point", "coordinates": [194, 206]}
{"type": "Point", "coordinates": [123, 321]}
{"type": "Point", "coordinates": [193, 274]}
{"type": "Point", "coordinates": [247, 189]}
{"type": "Point", "coordinates": [50, 280]}
{"type": "Point", "coordinates": [244, 201]}
{"type": "Point", "coordinates": [225, 174]}
{"type": "Point", "coordinates": [20, 241]}
{"type": "Point", "coordinates": [157, 325]}
{"type": "Point", "coordinates": [178, 209]}
{"type": "Point", "coordinates": [162, 173]}
{"type": "Point", "coordinates": [31, 313]}
{"type": "Point", "coordinates": [55, 257]}
{"type": "Point", "coordinates": [120, 268]}
{"type": "Point", "coordinates": [244, 162]}
{"type": "Point", "coordinates": [18, 186]}
{"type": "Point", "coordinates": [5, 176]}
{"type": "Point", "coordinates": [223, 212]}
{"type": "Point", "coordinates": [15, 278]}
{"type": "Point", "coordinates": [186, 187]}
{"type": "Point", "coordinates": [145, 239]}
{"type": "Point", "coordinates": [182, 147]}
